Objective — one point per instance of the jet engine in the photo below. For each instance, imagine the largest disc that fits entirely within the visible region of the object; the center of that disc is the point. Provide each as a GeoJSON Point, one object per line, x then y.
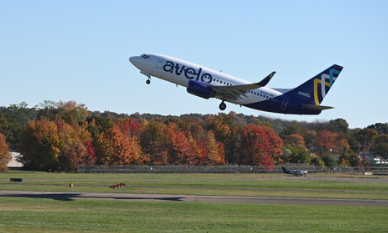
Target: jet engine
{"type": "Point", "coordinates": [199, 89]}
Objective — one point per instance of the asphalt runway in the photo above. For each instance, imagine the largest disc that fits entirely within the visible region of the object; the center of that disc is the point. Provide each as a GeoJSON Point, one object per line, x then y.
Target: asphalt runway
{"type": "Point", "coordinates": [69, 196]}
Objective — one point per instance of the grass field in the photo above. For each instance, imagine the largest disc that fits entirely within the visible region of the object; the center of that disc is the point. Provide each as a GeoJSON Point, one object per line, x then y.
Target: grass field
{"type": "Point", "coordinates": [49, 215]}
{"type": "Point", "coordinates": [259, 185]}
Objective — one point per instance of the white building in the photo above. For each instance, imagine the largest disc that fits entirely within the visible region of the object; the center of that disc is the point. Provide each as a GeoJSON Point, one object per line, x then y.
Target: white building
{"type": "Point", "coordinates": [379, 160]}
{"type": "Point", "coordinates": [14, 163]}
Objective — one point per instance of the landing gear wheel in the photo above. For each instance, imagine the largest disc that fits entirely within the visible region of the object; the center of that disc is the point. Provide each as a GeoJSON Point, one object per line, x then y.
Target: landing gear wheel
{"type": "Point", "coordinates": [222, 106]}
{"type": "Point", "coordinates": [148, 81]}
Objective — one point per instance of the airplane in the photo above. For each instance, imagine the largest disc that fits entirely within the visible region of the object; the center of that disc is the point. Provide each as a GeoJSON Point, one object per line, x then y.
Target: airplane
{"type": "Point", "coordinates": [294, 172]}
{"type": "Point", "coordinates": [208, 83]}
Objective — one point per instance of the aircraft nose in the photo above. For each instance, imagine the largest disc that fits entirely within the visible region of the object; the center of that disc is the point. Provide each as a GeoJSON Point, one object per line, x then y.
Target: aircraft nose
{"type": "Point", "coordinates": [133, 60]}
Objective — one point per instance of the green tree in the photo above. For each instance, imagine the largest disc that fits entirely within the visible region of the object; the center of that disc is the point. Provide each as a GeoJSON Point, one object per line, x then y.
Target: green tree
{"type": "Point", "coordinates": [12, 121]}
{"type": "Point", "coordinates": [316, 161]}
{"type": "Point", "coordinates": [381, 128]}
{"type": "Point", "coordinates": [339, 126]}
{"type": "Point", "coordinates": [97, 125]}
{"type": "Point", "coordinates": [292, 129]}
{"type": "Point", "coordinates": [365, 138]}
{"type": "Point", "coordinates": [329, 160]}
{"type": "Point", "coordinates": [72, 113]}
{"type": "Point", "coordinates": [349, 158]}
{"type": "Point", "coordinates": [151, 142]}
{"type": "Point", "coordinates": [296, 155]}
{"type": "Point", "coordinates": [380, 145]}
{"type": "Point", "coordinates": [233, 147]}
{"type": "Point", "coordinates": [310, 138]}
{"type": "Point", "coordinates": [48, 110]}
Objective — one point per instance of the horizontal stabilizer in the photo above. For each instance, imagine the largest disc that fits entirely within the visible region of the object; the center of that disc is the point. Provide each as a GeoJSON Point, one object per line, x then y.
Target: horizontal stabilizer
{"type": "Point", "coordinates": [316, 107]}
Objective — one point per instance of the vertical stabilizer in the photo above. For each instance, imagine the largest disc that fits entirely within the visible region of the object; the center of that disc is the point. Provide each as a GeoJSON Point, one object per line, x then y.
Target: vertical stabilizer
{"type": "Point", "coordinates": [285, 170]}
{"type": "Point", "coordinates": [314, 90]}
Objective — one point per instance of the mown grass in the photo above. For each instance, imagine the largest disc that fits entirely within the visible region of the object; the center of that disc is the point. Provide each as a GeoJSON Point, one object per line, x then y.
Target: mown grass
{"type": "Point", "coordinates": [51, 215]}
{"type": "Point", "coordinates": [62, 175]}
{"type": "Point", "coordinates": [47, 215]}
{"type": "Point", "coordinates": [262, 185]}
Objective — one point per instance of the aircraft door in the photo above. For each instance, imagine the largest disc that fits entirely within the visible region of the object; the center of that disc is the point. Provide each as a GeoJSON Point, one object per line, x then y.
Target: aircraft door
{"type": "Point", "coordinates": [159, 63]}
{"type": "Point", "coordinates": [284, 103]}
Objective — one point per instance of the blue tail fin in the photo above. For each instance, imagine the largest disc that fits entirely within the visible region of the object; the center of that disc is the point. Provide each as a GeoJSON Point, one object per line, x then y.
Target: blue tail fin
{"type": "Point", "coordinates": [314, 90]}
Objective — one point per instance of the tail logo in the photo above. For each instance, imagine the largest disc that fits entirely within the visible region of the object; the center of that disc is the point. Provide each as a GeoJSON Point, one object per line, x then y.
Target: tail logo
{"type": "Point", "coordinates": [305, 94]}
{"type": "Point", "coordinates": [326, 80]}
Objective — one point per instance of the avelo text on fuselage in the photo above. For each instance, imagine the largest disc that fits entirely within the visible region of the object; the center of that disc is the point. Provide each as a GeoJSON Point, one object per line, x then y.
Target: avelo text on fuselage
{"type": "Point", "coordinates": [188, 72]}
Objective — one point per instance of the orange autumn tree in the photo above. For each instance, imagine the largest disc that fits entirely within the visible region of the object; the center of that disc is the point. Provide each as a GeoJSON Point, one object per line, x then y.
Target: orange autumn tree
{"type": "Point", "coordinates": [4, 153]}
{"type": "Point", "coordinates": [326, 140]}
{"type": "Point", "coordinates": [131, 129]}
{"type": "Point", "coordinates": [260, 145]}
{"type": "Point", "coordinates": [112, 147]}
{"type": "Point", "coordinates": [195, 152]}
{"type": "Point", "coordinates": [214, 151]}
{"type": "Point", "coordinates": [220, 125]}
{"type": "Point", "coordinates": [129, 126]}
{"type": "Point", "coordinates": [39, 145]}
{"type": "Point", "coordinates": [181, 148]}
{"type": "Point", "coordinates": [55, 146]}
{"type": "Point", "coordinates": [295, 140]}
{"type": "Point", "coordinates": [74, 146]}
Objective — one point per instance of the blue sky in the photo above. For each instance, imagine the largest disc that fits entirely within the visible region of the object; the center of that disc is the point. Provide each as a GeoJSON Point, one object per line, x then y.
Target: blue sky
{"type": "Point", "coordinates": [79, 50]}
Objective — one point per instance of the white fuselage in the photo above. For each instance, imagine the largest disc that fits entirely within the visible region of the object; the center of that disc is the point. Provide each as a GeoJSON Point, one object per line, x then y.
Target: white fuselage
{"type": "Point", "coordinates": [207, 83]}
{"type": "Point", "coordinates": [180, 72]}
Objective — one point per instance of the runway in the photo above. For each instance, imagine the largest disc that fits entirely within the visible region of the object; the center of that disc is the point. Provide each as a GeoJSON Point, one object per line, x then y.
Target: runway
{"type": "Point", "coordinates": [70, 196]}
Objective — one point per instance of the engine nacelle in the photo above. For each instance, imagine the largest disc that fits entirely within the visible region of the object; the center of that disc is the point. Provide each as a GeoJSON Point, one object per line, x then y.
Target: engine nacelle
{"type": "Point", "coordinates": [199, 89]}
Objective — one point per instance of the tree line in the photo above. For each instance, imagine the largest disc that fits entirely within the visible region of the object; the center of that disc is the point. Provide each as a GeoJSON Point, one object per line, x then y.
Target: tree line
{"type": "Point", "coordinates": [62, 135]}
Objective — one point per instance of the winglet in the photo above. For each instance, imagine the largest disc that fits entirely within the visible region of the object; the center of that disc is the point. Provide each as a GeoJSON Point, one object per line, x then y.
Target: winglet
{"type": "Point", "coordinates": [266, 80]}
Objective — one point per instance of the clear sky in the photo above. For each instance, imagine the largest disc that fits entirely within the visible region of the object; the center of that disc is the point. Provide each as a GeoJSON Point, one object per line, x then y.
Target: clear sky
{"type": "Point", "coordinates": [79, 50]}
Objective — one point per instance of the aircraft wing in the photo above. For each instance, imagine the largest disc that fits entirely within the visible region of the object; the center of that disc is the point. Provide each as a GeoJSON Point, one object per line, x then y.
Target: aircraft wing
{"type": "Point", "coordinates": [236, 92]}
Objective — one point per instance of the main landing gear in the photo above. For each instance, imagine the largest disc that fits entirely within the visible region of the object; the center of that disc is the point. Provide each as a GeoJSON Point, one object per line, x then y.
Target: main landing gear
{"type": "Point", "coordinates": [148, 80]}
{"type": "Point", "coordinates": [222, 106]}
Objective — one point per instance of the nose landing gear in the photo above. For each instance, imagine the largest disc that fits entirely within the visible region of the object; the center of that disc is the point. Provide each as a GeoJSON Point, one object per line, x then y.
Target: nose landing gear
{"type": "Point", "coordinates": [148, 76]}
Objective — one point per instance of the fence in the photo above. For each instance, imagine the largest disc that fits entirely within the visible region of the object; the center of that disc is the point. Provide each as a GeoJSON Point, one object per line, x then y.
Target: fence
{"type": "Point", "coordinates": [210, 169]}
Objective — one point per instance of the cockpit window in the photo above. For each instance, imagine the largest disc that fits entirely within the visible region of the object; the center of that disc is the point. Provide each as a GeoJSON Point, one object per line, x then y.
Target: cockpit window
{"type": "Point", "coordinates": [144, 56]}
